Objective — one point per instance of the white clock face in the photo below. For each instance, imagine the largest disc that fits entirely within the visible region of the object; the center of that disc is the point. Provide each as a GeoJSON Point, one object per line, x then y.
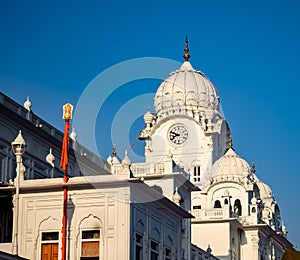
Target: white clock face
{"type": "Point", "coordinates": [178, 134]}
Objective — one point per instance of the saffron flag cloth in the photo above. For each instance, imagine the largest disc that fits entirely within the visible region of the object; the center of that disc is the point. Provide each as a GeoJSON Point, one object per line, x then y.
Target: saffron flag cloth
{"type": "Point", "coordinates": [65, 148]}
{"type": "Point", "coordinates": [291, 254]}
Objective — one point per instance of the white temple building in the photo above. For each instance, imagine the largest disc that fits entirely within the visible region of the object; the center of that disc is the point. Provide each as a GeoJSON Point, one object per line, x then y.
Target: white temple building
{"type": "Point", "coordinates": [193, 198]}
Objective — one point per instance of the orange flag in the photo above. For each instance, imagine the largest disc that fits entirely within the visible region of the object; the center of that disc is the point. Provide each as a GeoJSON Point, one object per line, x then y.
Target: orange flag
{"type": "Point", "coordinates": [65, 148]}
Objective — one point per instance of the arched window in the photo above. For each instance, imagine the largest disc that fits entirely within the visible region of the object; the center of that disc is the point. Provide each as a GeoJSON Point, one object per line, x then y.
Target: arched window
{"type": "Point", "coordinates": [226, 201]}
{"type": "Point", "coordinates": [217, 204]}
{"type": "Point", "coordinates": [237, 207]}
{"type": "Point", "coordinates": [89, 236]}
{"type": "Point", "coordinates": [139, 247]}
{"type": "Point", "coordinates": [277, 217]}
{"type": "Point", "coordinates": [196, 174]}
{"type": "Point", "coordinates": [256, 192]}
{"type": "Point", "coordinates": [50, 241]}
{"type": "Point", "coordinates": [253, 210]}
{"type": "Point", "coordinates": [90, 244]}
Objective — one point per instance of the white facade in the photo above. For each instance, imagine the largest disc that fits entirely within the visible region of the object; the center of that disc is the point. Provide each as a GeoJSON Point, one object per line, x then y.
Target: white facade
{"type": "Point", "coordinates": [121, 227]}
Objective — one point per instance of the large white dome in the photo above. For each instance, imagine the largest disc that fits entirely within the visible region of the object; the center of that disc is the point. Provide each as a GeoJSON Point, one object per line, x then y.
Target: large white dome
{"type": "Point", "coordinates": [186, 90]}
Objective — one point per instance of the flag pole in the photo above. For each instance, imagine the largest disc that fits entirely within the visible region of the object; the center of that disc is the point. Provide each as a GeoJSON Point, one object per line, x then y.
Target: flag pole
{"type": "Point", "coordinates": [67, 115]}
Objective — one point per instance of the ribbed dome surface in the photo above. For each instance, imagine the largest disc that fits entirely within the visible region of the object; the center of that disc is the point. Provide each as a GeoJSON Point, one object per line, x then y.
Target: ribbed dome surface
{"type": "Point", "coordinates": [264, 189]}
{"type": "Point", "coordinates": [230, 164]}
{"type": "Point", "coordinates": [185, 90]}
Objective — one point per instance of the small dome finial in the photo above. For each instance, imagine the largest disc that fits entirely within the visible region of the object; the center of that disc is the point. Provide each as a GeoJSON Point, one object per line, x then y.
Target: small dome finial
{"type": "Point", "coordinates": [73, 135]}
{"type": "Point", "coordinates": [186, 55]}
{"type": "Point", "coordinates": [284, 229]}
{"type": "Point", "coordinates": [253, 168]}
{"type": "Point", "coordinates": [115, 151]}
{"type": "Point", "coordinates": [176, 197]}
{"type": "Point", "coordinates": [27, 104]}
{"type": "Point", "coordinates": [50, 158]}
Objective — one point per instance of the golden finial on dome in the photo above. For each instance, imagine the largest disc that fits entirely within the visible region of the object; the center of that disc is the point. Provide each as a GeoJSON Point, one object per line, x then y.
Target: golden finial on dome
{"type": "Point", "coordinates": [115, 151]}
{"type": "Point", "coordinates": [253, 168]}
{"type": "Point", "coordinates": [230, 142]}
{"type": "Point", "coordinates": [186, 55]}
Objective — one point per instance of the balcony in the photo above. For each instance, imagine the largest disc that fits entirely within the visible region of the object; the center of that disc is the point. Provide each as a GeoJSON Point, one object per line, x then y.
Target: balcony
{"type": "Point", "coordinates": [211, 214]}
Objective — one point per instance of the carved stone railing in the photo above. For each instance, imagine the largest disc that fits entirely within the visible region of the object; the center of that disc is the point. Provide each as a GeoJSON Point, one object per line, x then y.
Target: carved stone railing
{"type": "Point", "coordinates": [206, 214]}
{"type": "Point", "coordinates": [143, 168]}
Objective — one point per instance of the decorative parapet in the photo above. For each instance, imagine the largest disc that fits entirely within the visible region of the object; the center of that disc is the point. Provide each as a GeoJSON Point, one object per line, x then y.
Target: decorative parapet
{"type": "Point", "coordinates": [222, 213]}
{"type": "Point", "coordinates": [147, 169]}
{"type": "Point", "coordinates": [30, 117]}
{"type": "Point", "coordinates": [158, 168]}
{"type": "Point", "coordinates": [210, 214]}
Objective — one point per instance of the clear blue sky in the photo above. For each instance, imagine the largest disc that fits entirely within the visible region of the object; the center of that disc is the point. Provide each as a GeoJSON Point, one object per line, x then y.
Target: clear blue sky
{"type": "Point", "coordinates": [51, 50]}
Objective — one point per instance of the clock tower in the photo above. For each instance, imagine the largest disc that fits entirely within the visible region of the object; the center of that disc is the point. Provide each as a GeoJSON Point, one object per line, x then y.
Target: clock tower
{"type": "Point", "coordinates": [187, 124]}
{"type": "Point", "coordinates": [234, 212]}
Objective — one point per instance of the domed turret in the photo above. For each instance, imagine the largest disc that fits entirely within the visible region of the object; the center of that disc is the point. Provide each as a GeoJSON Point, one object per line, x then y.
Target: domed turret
{"type": "Point", "coordinates": [264, 189]}
{"type": "Point", "coordinates": [148, 117]}
{"type": "Point", "coordinates": [126, 162]}
{"type": "Point", "coordinates": [186, 91]}
{"type": "Point", "coordinates": [230, 165]}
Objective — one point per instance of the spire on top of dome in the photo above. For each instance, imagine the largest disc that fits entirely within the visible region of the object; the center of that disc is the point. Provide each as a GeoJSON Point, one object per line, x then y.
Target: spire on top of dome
{"type": "Point", "coordinates": [186, 55]}
{"type": "Point", "coordinates": [253, 168]}
{"type": "Point", "coordinates": [230, 142]}
{"type": "Point", "coordinates": [126, 161]}
{"type": "Point", "coordinates": [114, 151]}
{"type": "Point", "coordinates": [229, 145]}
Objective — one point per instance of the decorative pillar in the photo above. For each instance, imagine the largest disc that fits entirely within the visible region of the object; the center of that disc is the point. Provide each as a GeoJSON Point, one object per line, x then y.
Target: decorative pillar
{"type": "Point", "coordinates": [18, 147]}
{"type": "Point", "coordinates": [227, 207]}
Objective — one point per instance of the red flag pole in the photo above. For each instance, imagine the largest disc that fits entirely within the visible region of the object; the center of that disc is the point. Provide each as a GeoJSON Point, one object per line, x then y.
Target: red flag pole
{"type": "Point", "coordinates": [64, 165]}
{"type": "Point", "coordinates": [64, 225]}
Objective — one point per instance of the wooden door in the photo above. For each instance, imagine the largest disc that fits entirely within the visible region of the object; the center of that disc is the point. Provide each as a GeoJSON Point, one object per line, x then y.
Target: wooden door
{"type": "Point", "coordinates": [50, 251]}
